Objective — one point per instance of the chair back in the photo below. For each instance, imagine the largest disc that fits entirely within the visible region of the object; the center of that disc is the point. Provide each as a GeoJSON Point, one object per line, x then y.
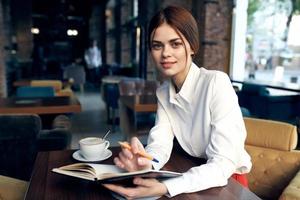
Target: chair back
{"type": "Point", "coordinates": [39, 91]}
{"type": "Point", "coordinates": [75, 72]}
{"type": "Point", "coordinates": [18, 144]}
{"type": "Point", "coordinates": [130, 87]}
{"type": "Point", "coordinates": [127, 88]}
{"type": "Point", "coordinates": [56, 84]}
{"type": "Point", "coordinates": [150, 87]}
{"type": "Point", "coordinates": [271, 146]}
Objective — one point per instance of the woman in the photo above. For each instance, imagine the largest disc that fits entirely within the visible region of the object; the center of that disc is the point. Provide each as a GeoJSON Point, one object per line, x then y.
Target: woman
{"type": "Point", "coordinates": [197, 106]}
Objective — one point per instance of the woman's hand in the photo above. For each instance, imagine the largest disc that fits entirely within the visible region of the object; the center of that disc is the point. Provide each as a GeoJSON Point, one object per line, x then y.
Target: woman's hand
{"type": "Point", "coordinates": [144, 188]}
{"type": "Point", "coordinates": [130, 160]}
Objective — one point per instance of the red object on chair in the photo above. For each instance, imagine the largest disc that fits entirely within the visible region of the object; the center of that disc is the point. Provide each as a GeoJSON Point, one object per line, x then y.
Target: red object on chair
{"type": "Point", "coordinates": [241, 178]}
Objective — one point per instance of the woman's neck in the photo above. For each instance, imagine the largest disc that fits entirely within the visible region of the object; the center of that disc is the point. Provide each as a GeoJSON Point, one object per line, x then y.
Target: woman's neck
{"type": "Point", "coordinates": [179, 79]}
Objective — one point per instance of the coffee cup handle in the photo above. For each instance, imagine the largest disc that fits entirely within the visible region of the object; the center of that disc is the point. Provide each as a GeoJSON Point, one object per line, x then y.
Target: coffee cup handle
{"type": "Point", "coordinates": [107, 144]}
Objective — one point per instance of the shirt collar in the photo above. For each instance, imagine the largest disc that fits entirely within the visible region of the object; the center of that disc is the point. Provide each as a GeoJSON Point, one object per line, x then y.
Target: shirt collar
{"type": "Point", "coordinates": [187, 90]}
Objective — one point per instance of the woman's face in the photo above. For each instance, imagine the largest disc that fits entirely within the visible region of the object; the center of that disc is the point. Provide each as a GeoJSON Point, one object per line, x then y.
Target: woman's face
{"type": "Point", "coordinates": [171, 54]}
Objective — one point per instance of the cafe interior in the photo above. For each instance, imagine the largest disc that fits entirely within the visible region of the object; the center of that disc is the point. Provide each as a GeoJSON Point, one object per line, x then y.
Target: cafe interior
{"type": "Point", "coordinates": [50, 98]}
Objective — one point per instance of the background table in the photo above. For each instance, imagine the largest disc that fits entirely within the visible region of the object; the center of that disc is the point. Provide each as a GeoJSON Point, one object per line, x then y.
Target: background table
{"type": "Point", "coordinates": [47, 105]}
{"type": "Point", "coordinates": [45, 184]}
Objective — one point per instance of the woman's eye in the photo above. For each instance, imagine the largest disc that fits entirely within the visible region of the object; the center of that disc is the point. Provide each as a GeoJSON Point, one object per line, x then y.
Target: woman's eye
{"type": "Point", "coordinates": [156, 46]}
{"type": "Point", "coordinates": [176, 44]}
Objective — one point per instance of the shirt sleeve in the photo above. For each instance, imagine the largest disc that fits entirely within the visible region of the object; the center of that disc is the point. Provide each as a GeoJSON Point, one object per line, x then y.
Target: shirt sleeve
{"type": "Point", "coordinates": [225, 146]}
{"type": "Point", "coordinates": [160, 140]}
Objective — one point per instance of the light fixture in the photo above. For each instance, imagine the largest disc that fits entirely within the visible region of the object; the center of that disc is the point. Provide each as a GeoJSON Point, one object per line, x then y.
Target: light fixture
{"type": "Point", "coordinates": [72, 32]}
{"type": "Point", "coordinates": [35, 30]}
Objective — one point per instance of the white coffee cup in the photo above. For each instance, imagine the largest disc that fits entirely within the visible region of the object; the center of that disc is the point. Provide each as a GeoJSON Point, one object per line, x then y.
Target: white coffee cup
{"type": "Point", "coordinates": [92, 148]}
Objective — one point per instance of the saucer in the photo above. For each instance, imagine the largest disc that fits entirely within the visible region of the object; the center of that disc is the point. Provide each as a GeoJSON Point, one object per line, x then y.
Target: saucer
{"type": "Point", "coordinates": [77, 156]}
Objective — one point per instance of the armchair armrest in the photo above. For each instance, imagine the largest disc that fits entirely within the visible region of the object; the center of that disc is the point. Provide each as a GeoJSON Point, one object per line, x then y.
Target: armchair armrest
{"type": "Point", "coordinates": [292, 191]}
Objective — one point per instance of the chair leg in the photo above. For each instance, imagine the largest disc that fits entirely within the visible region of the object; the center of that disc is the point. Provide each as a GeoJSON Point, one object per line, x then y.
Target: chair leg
{"type": "Point", "coordinates": [81, 88]}
{"type": "Point", "coordinates": [113, 117]}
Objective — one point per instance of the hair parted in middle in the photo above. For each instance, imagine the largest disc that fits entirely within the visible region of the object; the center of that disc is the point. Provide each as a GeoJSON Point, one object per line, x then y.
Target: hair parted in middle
{"type": "Point", "coordinates": [181, 20]}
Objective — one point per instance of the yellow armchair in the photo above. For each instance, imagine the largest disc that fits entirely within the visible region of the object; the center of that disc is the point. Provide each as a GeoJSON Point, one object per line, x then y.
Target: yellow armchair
{"type": "Point", "coordinates": [12, 189]}
{"type": "Point", "coordinates": [276, 163]}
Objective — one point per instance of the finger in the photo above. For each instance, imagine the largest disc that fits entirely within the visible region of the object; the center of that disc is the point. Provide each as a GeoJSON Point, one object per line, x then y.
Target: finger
{"type": "Point", "coordinates": [136, 145]}
{"type": "Point", "coordinates": [127, 153]}
{"type": "Point", "coordinates": [118, 162]}
{"type": "Point", "coordinates": [144, 182]}
{"type": "Point", "coordinates": [129, 164]}
{"type": "Point", "coordinates": [143, 161]}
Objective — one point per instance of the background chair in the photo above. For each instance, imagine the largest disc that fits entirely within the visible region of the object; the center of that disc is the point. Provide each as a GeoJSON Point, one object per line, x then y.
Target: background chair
{"type": "Point", "coordinates": [57, 85]}
{"type": "Point", "coordinates": [143, 121]}
{"type": "Point", "coordinates": [77, 73]}
{"type": "Point", "coordinates": [261, 104]}
{"type": "Point", "coordinates": [276, 164]}
{"type": "Point", "coordinates": [31, 91]}
{"type": "Point", "coordinates": [12, 189]}
{"type": "Point", "coordinates": [21, 137]}
{"type": "Point", "coordinates": [18, 144]}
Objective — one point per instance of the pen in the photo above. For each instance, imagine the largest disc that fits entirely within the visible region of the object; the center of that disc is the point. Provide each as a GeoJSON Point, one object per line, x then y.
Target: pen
{"type": "Point", "coordinates": [145, 155]}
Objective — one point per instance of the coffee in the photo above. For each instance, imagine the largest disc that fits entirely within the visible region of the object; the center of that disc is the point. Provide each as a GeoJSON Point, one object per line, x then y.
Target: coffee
{"type": "Point", "coordinates": [91, 141]}
{"type": "Point", "coordinates": [92, 148]}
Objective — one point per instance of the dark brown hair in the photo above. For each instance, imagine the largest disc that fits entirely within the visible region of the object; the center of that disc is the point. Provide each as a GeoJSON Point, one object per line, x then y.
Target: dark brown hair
{"type": "Point", "coordinates": [180, 20]}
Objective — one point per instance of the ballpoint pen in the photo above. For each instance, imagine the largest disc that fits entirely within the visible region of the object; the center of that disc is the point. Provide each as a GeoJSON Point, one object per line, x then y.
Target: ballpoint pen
{"type": "Point", "coordinates": [143, 154]}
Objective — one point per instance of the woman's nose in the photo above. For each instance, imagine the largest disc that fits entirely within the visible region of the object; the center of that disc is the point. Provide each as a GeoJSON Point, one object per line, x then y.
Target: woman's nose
{"type": "Point", "coordinates": [166, 52]}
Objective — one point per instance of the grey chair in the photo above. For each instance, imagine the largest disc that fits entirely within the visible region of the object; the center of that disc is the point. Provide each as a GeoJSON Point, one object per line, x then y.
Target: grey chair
{"type": "Point", "coordinates": [21, 137]}
{"type": "Point", "coordinates": [77, 73]}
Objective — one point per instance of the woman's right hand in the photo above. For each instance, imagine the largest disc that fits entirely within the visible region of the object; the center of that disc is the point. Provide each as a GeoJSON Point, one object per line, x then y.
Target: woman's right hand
{"type": "Point", "coordinates": [130, 160]}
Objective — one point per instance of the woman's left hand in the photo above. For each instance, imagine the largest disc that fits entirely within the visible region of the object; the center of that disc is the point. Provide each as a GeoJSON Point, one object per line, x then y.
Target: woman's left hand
{"type": "Point", "coordinates": [144, 188]}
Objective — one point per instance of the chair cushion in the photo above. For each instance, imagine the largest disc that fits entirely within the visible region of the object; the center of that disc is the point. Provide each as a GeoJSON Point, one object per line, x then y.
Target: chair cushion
{"type": "Point", "coordinates": [271, 134]}
{"type": "Point", "coordinates": [272, 170]}
{"type": "Point", "coordinates": [12, 189]}
{"type": "Point", "coordinates": [254, 89]}
{"type": "Point", "coordinates": [32, 91]}
{"type": "Point", "coordinates": [292, 191]}
{"type": "Point", "coordinates": [56, 84]}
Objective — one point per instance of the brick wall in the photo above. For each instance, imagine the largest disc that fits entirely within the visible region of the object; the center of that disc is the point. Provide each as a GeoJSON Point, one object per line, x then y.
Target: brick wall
{"type": "Point", "coordinates": [214, 22]}
{"type": "Point", "coordinates": [2, 65]}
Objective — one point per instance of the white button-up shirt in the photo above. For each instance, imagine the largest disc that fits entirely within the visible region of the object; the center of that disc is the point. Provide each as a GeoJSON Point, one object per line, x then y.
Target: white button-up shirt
{"type": "Point", "coordinates": [205, 118]}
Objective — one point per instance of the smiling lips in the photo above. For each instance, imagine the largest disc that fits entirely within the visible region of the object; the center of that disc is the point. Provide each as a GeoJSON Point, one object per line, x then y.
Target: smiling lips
{"type": "Point", "coordinates": [167, 65]}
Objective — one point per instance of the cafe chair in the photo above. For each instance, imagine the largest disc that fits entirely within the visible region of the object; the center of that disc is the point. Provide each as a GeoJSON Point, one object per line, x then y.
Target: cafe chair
{"type": "Point", "coordinates": [143, 121]}
{"type": "Point", "coordinates": [21, 137]}
{"type": "Point", "coordinates": [276, 164]}
{"type": "Point", "coordinates": [60, 89]}
{"type": "Point", "coordinates": [18, 144]}
{"type": "Point", "coordinates": [12, 188]}
{"type": "Point", "coordinates": [77, 73]}
{"type": "Point", "coordinates": [261, 104]}
{"type": "Point", "coordinates": [32, 91]}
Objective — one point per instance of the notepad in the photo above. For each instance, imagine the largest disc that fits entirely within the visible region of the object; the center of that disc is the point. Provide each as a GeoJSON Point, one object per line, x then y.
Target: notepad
{"type": "Point", "coordinates": [110, 173]}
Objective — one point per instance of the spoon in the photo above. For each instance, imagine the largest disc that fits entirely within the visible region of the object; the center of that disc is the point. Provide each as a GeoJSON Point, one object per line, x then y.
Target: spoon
{"type": "Point", "coordinates": [106, 134]}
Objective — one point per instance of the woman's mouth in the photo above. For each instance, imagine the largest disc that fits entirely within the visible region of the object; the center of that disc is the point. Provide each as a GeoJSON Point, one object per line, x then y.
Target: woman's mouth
{"type": "Point", "coordinates": [167, 65]}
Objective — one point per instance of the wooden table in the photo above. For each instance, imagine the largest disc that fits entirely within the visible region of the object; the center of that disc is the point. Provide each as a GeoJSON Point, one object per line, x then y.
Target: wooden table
{"type": "Point", "coordinates": [47, 105]}
{"type": "Point", "coordinates": [130, 107]}
{"type": "Point", "coordinates": [45, 184]}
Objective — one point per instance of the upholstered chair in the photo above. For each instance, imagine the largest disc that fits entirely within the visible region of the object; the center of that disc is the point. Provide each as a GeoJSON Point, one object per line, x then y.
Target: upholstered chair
{"type": "Point", "coordinates": [21, 137]}
{"type": "Point", "coordinates": [32, 91]}
{"type": "Point", "coordinates": [276, 163]}
{"type": "Point", "coordinates": [12, 189]}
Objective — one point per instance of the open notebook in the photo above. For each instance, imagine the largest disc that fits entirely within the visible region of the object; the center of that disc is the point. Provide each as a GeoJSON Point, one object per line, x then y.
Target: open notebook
{"type": "Point", "coordinates": [109, 173]}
